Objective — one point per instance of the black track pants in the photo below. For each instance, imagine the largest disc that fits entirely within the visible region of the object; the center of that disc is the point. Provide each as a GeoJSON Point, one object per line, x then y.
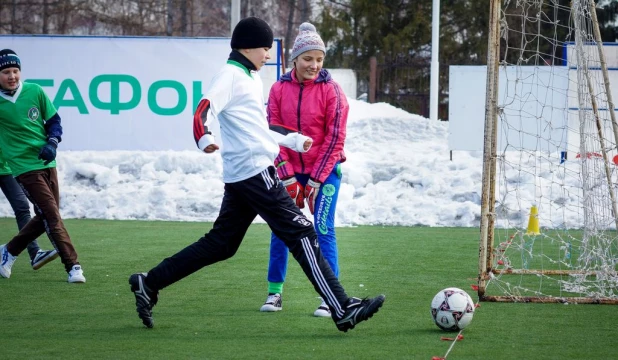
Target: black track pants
{"type": "Point", "coordinates": [261, 194]}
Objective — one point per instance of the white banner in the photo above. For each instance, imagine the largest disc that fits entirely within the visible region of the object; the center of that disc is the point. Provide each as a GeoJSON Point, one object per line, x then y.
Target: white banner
{"type": "Point", "coordinates": [549, 124]}
{"type": "Point", "coordinates": [127, 93]}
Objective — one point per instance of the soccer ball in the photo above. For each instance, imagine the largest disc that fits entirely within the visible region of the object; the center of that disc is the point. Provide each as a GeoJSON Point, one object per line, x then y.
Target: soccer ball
{"type": "Point", "coordinates": [452, 309]}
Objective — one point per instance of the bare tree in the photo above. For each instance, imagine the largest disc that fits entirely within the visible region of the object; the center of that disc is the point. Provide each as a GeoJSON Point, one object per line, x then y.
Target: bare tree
{"type": "Point", "coordinates": [143, 17]}
{"type": "Point", "coordinates": [183, 17]}
{"type": "Point", "coordinates": [14, 17]}
{"type": "Point", "coordinates": [211, 19]}
{"type": "Point", "coordinates": [289, 28]}
{"type": "Point", "coordinates": [304, 10]}
{"type": "Point", "coordinates": [170, 19]}
{"type": "Point", "coordinates": [45, 19]}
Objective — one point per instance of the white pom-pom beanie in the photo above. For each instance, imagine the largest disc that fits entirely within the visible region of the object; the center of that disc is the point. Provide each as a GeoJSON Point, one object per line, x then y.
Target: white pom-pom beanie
{"type": "Point", "coordinates": [307, 39]}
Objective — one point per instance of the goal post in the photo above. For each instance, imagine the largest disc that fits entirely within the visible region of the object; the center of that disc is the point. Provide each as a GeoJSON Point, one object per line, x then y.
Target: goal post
{"type": "Point", "coordinates": [548, 228]}
{"type": "Point", "coordinates": [489, 147]}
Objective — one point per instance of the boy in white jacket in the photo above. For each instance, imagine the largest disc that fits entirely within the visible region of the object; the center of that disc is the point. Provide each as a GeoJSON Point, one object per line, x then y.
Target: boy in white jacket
{"type": "Point", "coordinates": [252, 186]}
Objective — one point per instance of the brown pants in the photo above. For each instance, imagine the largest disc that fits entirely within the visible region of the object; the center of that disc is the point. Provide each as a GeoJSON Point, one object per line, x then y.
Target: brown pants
{"type": "Point", "coordinates": [41, 188]}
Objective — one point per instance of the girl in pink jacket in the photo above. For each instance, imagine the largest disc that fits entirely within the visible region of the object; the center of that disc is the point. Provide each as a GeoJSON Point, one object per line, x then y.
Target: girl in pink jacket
{"type": "Point", "coordinates": [309, 101]}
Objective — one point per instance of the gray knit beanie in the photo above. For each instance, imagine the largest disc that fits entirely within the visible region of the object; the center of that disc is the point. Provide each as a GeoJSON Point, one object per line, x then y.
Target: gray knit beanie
{"type": "Point", "coordinates": [307, 39]}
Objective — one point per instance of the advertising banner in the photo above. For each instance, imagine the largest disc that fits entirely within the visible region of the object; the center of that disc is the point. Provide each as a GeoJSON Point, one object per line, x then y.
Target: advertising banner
{"type": "Point", "coordinates": [127, 93]}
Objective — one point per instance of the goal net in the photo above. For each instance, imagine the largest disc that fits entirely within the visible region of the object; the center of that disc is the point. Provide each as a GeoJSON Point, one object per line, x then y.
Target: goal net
{"type": "Point", "coordinates": [548, 216]}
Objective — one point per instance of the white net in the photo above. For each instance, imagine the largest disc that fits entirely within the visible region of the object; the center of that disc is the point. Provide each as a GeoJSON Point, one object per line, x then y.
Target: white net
{"type": "Point", "coordinates": [555, 151]}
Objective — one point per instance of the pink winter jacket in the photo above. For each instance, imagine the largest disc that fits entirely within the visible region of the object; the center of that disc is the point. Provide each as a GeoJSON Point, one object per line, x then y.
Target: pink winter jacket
{"type": "Point", "coordinates": [316, 108]}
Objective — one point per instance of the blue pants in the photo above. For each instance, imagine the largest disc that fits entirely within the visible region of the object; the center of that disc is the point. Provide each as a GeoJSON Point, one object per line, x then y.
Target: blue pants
{"type": "Point", "coordinates": [20, 205]}
{"type": "Point", "coordinates": [324, 222]}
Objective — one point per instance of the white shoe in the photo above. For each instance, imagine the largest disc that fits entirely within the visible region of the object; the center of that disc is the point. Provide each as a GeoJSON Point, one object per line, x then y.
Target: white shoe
{"type": "Point", "coordinates": [273, 303]}
{"type": "Point", "coordinates": [322, 311]}
{"type": "Point", "coordinates": [76, 275]}
{"type": "Point", "coordinates": [6, 262]}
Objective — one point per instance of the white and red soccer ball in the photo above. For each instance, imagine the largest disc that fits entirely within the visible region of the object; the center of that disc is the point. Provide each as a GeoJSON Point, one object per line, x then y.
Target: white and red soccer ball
{"type": "Point", "coordinates": [452, 309]}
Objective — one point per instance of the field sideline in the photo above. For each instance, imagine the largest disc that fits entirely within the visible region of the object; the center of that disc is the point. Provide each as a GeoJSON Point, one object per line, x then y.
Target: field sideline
{"type": "Point", "coordinates": [214, 314]}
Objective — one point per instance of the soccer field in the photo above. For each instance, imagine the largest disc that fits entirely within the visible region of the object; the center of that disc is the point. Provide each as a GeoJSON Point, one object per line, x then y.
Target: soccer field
{"type": "Point", "coordinates": [214, 313]}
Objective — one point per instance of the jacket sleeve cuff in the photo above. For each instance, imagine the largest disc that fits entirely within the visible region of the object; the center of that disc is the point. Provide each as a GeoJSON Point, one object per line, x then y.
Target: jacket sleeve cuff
{"type": "Point", "coordinates": [285, 170]}
{"type": "Point", "coordinates": [205, 140]}
{"type": "Point", "coordinates": [300, 143]}
{"type": "Point", "coordinates": [53, 141]}
{"type": "Point", "coordinates": [294, 141]}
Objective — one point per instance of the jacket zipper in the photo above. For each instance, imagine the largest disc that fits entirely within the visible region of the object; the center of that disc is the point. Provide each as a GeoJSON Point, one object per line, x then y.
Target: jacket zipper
{"type": "Point", "coordinates": [300, 99]}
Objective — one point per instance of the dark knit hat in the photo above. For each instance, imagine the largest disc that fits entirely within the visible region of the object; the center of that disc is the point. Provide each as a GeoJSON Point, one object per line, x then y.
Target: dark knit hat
{"type": "Point", "coordinates": [8, 58]}
{"type": "Point", "coordinates": [251, 33]}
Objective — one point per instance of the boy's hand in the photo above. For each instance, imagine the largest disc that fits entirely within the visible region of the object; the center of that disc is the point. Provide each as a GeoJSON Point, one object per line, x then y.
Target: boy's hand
{"type": "Point", "coordinates": [48, 151]}
{"type": "Point", "coordinates": [211, 148]}
{"type": "Point", "coordinates": [307, 144]}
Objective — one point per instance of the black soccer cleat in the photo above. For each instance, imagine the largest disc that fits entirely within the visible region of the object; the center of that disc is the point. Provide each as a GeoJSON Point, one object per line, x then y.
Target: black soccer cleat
{"type": "Point", "coordinates": [358, 310]}
{"type": "Point", "coordinates": [145, 299]}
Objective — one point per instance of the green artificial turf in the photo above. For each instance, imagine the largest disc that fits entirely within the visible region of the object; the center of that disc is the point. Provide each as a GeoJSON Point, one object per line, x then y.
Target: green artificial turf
{"type": "Point", "coordinates": [214, 313]}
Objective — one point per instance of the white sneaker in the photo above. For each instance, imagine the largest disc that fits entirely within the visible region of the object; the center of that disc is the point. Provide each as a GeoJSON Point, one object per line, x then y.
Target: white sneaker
{"type": "Point", "coordinates": [6, 262]}
{"type": "Point", "coordinates": [322, 311]}
{"type": "Point", "coordinates": [76, 275]}
{"type": "Point", "coordinates": [273, 303]}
